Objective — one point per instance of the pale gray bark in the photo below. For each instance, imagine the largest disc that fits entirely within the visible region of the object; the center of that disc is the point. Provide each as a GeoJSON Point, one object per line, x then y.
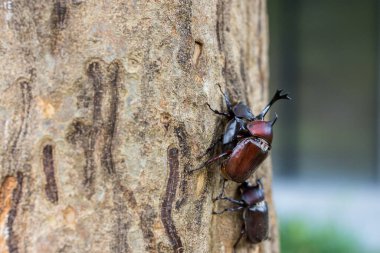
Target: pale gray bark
{"type": "Point", "coordinates": [103, 109]}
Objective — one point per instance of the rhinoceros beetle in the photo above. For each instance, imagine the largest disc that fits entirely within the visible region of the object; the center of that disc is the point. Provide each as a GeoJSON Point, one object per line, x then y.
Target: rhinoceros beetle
{"type": "Point", "coordinates": [246, 140]}
{"type": "Point", "coordinates": [255, 215]}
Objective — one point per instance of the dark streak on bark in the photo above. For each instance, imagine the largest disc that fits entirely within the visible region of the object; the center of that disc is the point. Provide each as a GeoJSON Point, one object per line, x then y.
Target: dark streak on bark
{"type": "Point", "coordinates": [78, 133]}
{"type": "Point", "coordinates": [26, 90]}
{"type": "Point", "coordinates": [220, 24]}
{"type": "Point", "coordinates": [259, 16]}
{"type": "Point", "coordinates": [13, 149]}
{"type": "Point", "coordinates": [110, 126]}
{"type": "Point", "coordinates": [59, 15]}
{"type": "Point", "coordinates": [186, 154]}
{"type": "Point", "coordinates": [122, 245]}
{"type": "Point", "coordinates": [12, 240]}
{"type": "Point", "coordinates": [58, 21]}
{"type": "Point", "coordinates": [95, 75]}
{"type": "Point", "coordinates": [130, 198]}
{"type": "Point", "coordinates": [122, 224]}
{"type": "Point", "coordinates": [20, 133]}
{"type": "Point", "coordinates": [166, 208]}
{"type": "Point", "coordinates": [96, 134]}
{"type": "Point", "coordinates": [184, 15]}
{"type": "Point", "coordinates": [51, 189]}
{"type": "Point", "coordinates": [147, 220]}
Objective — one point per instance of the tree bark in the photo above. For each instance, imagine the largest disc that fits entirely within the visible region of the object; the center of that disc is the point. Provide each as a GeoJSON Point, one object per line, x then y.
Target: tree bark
{"type": "Point", "coordinates": [103, 112]}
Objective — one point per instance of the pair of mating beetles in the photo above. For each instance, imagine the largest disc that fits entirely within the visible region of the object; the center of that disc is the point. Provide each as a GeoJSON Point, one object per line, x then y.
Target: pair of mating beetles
{"type": "Point", "coordinates": [245, 143]}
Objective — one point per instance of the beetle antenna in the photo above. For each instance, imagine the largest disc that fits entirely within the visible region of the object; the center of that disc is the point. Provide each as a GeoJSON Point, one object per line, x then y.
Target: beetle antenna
{"type": "Point", "coordinates": [274, 120]}
{"type": "Point", "coordinates": [226, 99]}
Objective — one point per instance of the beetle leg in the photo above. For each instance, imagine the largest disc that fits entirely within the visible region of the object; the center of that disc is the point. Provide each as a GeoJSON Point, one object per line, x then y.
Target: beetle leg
{"type": "Point", "coordinates": [232, 200]}
{"type": "Point", "coordinates": [277, 96]}
{"type": "Point", "coordinates": [242, 232]}
{"type": "Point", "coordinates": [222, 191]}
{"type": "Point", "coordinates": [231, 209]}
{"type": "Point", "coordinates": [218, 112]}
{"type": "Point", "coordinates": [211, 147]}
{"type": "Point", "coordinates": [212, 160]}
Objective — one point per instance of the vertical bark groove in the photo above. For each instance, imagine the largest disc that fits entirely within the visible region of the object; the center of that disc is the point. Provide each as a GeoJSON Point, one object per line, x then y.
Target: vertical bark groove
{"type": "Point", "coordinates": [147, 219]}
{"type": "Point", "coordinates": [185, 150]}
{"type": "Point", "coordinates": [105, 82]}
{"type": "Point", "coordinates": [166, 207]}
{"type": "Point", "coordinates": [220, 24]}
{"type": "Point", "coordinates": [51, 189]}
{"type": "Point", "coordinates": [18, 135]}
{"type": "Point", "coordinates": [110, 124]}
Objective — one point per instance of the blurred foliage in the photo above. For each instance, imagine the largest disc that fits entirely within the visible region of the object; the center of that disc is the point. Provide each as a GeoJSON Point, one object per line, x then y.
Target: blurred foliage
{"type": "Point", "coordinates": [297, 237]}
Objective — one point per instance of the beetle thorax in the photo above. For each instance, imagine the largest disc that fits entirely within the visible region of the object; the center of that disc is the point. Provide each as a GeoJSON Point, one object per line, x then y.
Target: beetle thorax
{"type": "Point", "coordinates": [252, 195]}
{"type": "Point", "coordinates": [261, 129]}
{"type": "Point", "coordinates": [260, 206]}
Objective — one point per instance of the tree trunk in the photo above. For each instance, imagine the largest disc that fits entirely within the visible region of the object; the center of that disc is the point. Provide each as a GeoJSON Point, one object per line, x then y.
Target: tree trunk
{"type": "Point", "coordinates": [103, 112]}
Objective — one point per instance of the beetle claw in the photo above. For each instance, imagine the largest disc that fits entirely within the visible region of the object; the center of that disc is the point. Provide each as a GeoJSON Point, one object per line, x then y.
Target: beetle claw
{"type": "Point", "coordinates": [215, 199]}
{"type": "Point", "coordinates": [219, 197]}
{"type": "Point", "coordinates": [278, 95]}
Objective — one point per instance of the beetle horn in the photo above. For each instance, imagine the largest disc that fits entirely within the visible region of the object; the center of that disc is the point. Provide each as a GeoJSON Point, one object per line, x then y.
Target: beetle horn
{"type": "Point", "coordinates": [277, 96]}
{"type": "Point", "coordinates": [259, 182]}
{"type": "Point", "coordinates": [274, 120]}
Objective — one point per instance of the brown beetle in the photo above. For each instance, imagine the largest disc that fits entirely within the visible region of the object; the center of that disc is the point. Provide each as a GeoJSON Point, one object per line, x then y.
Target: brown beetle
{"type": "Point", "coordinates": [246, 140]}
{"type": "Point", "coordinates": [255, 215]}
{"type": "Point", "coordinates": [249, 152]}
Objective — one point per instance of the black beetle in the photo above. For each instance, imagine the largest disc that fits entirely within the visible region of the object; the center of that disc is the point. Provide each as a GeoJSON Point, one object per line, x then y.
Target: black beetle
{"type": "Point", "coordinates": [255, 215]}
{"type": "Point", "coordinates": [246, 140]}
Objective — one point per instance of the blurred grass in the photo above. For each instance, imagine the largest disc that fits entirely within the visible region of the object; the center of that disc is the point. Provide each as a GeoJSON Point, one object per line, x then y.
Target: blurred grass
{"type": "Point", "coordinates": [297, 237]}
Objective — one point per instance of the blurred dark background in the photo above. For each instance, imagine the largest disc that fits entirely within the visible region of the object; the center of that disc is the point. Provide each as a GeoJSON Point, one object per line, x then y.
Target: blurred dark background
{"type": "Point", "coordinates": [325, 154]}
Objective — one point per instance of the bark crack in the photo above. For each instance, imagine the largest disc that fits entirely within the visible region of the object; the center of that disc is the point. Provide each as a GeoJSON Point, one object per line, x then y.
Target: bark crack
{"type": "Point", "coordinates": [51, 189]}
{"type": "Point", "coordinates": [166, 208]}
{"type": "Point", "coordinates": [96, 134]}
{"type": "Point", "coordinates": [17, 137]}
{"type": "Point", "coordinates": [110, 125]}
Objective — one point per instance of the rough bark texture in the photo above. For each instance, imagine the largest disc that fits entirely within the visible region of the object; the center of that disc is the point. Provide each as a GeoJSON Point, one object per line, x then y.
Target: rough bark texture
{"type": "Point", "coordinates": [103, 111]}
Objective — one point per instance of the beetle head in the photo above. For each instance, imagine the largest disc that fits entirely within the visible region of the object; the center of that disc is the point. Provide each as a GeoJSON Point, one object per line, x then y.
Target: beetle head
{"type": "Point", "coordinates": [242, 111]}
{"type": "Point", "coordinates": [252, 194]}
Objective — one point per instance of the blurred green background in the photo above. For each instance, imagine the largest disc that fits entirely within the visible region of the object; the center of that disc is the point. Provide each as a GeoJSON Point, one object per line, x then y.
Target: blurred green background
{"type": "Point", "coordinates": [326, 150]}
{"type": "Point", "coordinates": [298, 237]}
